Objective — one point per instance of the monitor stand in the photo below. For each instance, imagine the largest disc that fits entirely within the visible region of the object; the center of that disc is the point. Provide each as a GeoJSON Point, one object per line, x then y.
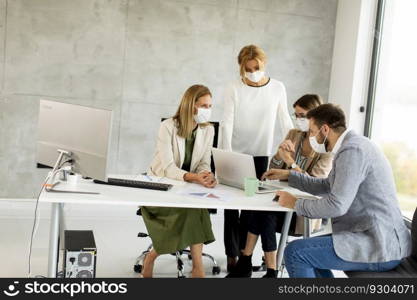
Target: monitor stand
{"type": "Point", "coordinates": [51, 184]}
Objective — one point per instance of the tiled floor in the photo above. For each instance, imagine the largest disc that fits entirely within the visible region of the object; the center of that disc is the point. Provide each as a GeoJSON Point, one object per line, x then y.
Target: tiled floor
{"type": "Point", "coordinates": [115, 230]}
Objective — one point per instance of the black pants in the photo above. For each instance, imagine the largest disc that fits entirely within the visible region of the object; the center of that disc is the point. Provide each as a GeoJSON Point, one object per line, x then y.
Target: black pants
{"type": "Point", "coordinates": [266, 224]}
{"type": "Point", "coordinates": [235, 223]}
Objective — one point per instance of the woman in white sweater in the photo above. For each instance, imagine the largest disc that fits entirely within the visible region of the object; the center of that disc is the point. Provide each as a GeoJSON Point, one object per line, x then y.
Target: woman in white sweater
{"type": "Point", "coordinates": [252, 106]}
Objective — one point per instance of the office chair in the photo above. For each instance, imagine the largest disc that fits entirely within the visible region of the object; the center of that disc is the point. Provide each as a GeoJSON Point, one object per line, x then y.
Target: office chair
{"type": "Point", "coordinates": [406, 269]}
{"type": "Point", "coordinates": [178, 255]}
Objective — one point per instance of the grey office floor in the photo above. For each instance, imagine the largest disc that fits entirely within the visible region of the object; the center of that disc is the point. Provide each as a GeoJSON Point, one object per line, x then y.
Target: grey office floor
{"type": "Point", "coordinates": [115, 230]}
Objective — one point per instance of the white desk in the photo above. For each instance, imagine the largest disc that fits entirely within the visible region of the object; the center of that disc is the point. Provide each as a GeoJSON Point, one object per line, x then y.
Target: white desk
{"type": "Point", "coordinates": [114, 195]}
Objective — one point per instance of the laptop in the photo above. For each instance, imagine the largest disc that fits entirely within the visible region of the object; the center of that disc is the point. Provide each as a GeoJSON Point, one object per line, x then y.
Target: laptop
{"type": "Point", "coordinates": [233, 167]}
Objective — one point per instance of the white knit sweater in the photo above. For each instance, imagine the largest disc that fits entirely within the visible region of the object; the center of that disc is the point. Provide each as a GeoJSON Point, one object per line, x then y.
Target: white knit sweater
{"type": "Point", "coordinates": [250, 114]}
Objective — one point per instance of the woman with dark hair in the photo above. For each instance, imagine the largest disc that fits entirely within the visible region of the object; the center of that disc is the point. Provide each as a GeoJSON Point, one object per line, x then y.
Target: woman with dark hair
{"type": "Point", "coordinates": [294, 153]}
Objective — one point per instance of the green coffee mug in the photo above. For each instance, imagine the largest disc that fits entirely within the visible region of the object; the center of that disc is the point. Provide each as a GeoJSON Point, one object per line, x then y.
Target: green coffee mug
{"type": "Point", "coordinates": [251, 186]}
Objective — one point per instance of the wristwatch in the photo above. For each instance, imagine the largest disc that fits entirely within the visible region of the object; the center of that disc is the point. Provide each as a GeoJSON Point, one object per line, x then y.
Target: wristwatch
{"type": "Point", "coordinates": [294, 165]}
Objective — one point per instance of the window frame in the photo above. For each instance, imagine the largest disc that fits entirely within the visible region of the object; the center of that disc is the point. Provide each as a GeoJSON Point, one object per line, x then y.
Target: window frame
{"type": "Point", "coordinates": [375, 59]}
{"type": "Point", "coordinates": [373, 76]}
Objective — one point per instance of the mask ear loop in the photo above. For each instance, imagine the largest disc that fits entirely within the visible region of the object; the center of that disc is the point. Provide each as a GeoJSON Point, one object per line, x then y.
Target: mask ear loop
{"type": "Point", "coordinates": [319, 133]}
{"type": "Point", "coordinates": [324, 142]}
{"type": "Point", "coordinates": [325, 138]}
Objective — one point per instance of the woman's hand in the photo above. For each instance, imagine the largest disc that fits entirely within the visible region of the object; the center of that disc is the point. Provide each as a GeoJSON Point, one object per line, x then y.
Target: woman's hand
{"type": "Point", "coordinates": [276, 174]}
{"type": "Point", "coordinates": [286, 156]}
{"type": "Point", "coordinates": [204, 178]}
{"type": "Point", "coordinates": [287, 146]}
{"type": "Point", "coordinates": [286, 152]}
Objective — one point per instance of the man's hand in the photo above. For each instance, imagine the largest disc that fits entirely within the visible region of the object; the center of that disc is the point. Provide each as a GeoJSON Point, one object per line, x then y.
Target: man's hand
{"type": "Point", "coordinates": [276, 174]}
{"type": "Point", "coordinates": [286, 199]}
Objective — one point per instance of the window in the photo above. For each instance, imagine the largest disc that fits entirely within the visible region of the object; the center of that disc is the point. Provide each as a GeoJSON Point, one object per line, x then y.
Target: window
{"type": "Point", "coordinates": [393, 117]}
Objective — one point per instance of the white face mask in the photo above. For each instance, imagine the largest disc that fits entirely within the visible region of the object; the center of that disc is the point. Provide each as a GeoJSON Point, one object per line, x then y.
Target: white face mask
{"type": "Point", "coordinates": [318, 148]}
{"type": "Point", "coordinates": [255, 76]}
{"type": "Point", "coordinates": [302, 124]}
{"type": "Point", "coordinates": [203, 115]}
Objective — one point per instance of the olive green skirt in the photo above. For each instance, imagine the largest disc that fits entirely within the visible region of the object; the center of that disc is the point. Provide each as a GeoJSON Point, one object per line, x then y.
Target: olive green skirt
{"type": "Point", "coordinates": [172, 228]}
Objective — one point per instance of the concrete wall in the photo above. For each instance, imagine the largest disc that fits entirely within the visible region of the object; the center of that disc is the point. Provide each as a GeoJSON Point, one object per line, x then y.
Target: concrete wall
{"type": "Point", "coordinates": [137, 58]}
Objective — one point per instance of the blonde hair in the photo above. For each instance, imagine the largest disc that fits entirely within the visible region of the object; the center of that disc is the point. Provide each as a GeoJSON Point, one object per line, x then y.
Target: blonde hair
{"type": "Point", "coordinates": [248, 53]}
{"type": "Point", "coordinates": [184, 117]}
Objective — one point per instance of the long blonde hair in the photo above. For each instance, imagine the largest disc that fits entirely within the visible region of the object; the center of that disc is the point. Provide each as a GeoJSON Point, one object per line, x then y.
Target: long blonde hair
{"type": "Point", "coordinates": [248, 53]}
{"type": "Point", "coordinates": [184, 117]}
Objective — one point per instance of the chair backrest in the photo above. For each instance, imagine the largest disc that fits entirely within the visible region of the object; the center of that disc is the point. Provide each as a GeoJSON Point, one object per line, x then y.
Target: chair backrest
{"type": "Point", "coordinates": [414, 234]}
{"type": "Point", "coordinates": [215, 139]}
{"type": "Point", "coordinates": [216, 132]}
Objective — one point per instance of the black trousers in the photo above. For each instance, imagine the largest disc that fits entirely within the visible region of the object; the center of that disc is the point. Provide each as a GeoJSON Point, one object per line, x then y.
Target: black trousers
{"type": "Point", "coordinates": [266, 224]}
{"type": "Point", "coordinates": [236, 223]}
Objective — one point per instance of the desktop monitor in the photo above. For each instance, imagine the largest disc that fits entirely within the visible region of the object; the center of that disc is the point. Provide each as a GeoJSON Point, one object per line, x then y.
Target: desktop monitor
{"type": "Point", "coordinates": [83, 131]}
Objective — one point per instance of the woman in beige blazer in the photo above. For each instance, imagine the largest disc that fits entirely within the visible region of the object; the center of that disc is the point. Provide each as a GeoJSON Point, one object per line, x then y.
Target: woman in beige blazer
{"type": "Point", "coordinates": [170, 152]}
{"type": "Point", "coordinates": [183, 152]}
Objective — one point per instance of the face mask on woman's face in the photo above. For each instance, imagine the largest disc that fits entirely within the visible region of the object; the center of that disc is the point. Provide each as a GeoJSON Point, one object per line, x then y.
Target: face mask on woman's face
{"type": "Point", "coordinates": [302, 124]}
{"type": "Point", "coordinates": [255, 76]}
{"type": "Point", "coordinates": [318, 148]}
{"type": "Point", "coordinates": [203, 115]}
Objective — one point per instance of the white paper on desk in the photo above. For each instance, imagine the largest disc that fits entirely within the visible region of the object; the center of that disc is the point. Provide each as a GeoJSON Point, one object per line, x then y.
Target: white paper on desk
{"type": "Point", "coordinates": [202, 192]}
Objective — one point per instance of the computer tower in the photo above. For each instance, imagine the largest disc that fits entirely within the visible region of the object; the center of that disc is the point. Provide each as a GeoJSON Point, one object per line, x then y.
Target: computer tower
{"type": "Point", "coordinates": [80, 254]}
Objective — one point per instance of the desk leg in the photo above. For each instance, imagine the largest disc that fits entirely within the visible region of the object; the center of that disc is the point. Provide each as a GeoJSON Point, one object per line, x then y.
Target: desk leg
{"type": "Point", "coordinates": [54, 240]}
{"type": "Point", "coordinates": [62, 226]}
{"type": "Point", "coordinates": [283, 239]}
{"type": "Point", "coordinates": [307, 229]}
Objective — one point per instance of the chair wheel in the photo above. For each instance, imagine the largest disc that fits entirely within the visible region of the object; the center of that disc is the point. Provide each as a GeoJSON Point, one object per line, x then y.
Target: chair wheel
{"type": "Point", "coordinates": [216, 270]}
{"type": "Point", "coordinates": [137, 268]}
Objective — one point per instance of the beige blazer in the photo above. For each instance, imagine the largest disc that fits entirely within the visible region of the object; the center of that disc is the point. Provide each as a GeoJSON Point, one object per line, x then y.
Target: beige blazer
{"type": "Point", "coordinates": [170, 151]}
{"type": "Point", "coordinates": [318, 165]}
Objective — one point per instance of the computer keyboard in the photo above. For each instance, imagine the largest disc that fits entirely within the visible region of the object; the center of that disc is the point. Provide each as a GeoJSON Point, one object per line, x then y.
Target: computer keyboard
{"type": "Point", "coordinates": [136, 184]}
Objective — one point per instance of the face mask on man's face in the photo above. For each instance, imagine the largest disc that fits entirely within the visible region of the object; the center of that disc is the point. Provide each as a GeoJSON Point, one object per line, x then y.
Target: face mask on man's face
{"type": "Point", "coordinates": [255, 76]}
{"type": "Point", "coordinates": [317, 147]}
{"type": "Point", "coordinates": [203, 115]}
